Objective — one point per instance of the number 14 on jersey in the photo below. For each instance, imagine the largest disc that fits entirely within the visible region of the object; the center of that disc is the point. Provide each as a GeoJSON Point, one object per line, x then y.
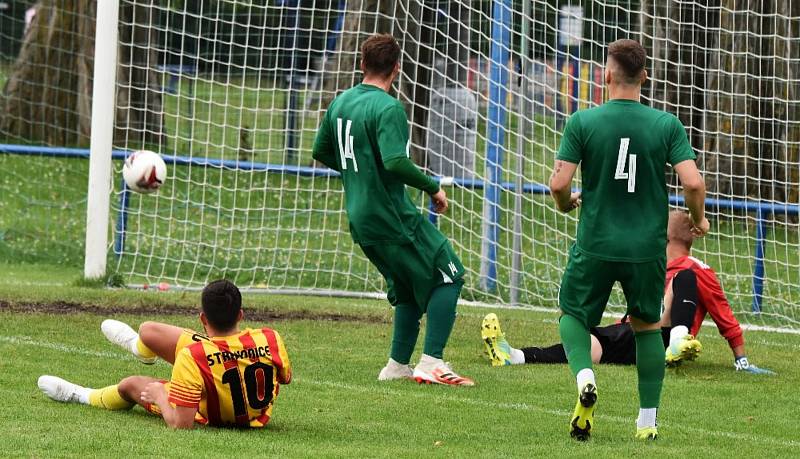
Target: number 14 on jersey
{"type": "Point", "coordinates": [623, 158]}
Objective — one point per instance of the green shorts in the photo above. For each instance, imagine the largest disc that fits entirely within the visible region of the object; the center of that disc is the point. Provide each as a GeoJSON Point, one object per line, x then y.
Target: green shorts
{"type": "Point", "coordinates": [588, 281]}
{"type": "Point", "coordinates": [412, 271]}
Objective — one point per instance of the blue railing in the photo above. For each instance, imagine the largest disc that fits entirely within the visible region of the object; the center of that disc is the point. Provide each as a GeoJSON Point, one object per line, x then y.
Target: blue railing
{"type": "Point", "coordinates": [762, 210]}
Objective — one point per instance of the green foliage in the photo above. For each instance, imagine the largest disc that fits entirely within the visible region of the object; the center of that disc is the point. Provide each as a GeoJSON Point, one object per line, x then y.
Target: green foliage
{"type": "Point", "coordinates": [336, 408]}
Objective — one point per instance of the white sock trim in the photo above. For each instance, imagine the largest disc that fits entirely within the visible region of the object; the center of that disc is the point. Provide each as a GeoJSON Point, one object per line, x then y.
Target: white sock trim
{"type": "Point", "coordinates": [584, 377]}
{"type": "Point", "coordinates": [647, 417]}
{"type": "Point", "coordinates": [517, 356]}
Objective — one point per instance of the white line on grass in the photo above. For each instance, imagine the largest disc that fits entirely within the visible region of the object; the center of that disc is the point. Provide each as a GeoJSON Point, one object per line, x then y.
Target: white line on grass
{"type": "Point", "coordinates": [424, 394]}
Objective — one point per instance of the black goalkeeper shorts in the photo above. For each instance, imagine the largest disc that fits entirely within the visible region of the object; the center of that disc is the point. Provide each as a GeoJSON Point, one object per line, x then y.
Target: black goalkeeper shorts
{"type": "Point", "coordinates": [619, 343]}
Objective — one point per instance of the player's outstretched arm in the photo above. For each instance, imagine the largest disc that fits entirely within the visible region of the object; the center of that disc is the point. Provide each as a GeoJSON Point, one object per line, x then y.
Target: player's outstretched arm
{"type": "Point", "coordinates": [694, 193]}
{"type": "Point", "coordinates": [561, 186]}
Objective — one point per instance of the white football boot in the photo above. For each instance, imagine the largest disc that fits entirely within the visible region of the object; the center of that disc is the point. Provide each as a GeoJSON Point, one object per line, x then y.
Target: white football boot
{"type": "Point", "coordinates": [125, 337]}
{"type": "Point", "coordinates": [431, 370]}
{"type": "Point", "coordinates": [395, 370]}
{"type": "Point", "coordinates": [63, 391]}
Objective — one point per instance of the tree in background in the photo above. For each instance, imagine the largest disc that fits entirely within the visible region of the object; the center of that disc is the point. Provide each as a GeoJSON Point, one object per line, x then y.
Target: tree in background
{"type": "Point", "coordinates": [48, 95]}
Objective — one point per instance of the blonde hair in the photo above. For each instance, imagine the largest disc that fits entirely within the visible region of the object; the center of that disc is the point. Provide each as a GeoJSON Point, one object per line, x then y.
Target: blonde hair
{"type": "Point", "coordinates": [679, 228]}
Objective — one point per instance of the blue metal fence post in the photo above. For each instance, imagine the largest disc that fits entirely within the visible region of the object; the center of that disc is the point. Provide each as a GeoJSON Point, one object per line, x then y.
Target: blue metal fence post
{"type": "Point", "coordinates": [495, 134]}
{"type": "Point", "coordinates": [122, 219]}
{"type": "Point", "coordinates": [758, 266]}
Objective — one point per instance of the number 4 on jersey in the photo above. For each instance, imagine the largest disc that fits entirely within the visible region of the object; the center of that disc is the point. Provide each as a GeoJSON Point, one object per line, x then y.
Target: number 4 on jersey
{"type": "Point", "coordinates": [345, 144]}
{"type": "Point", "coordinates": [623, 158]}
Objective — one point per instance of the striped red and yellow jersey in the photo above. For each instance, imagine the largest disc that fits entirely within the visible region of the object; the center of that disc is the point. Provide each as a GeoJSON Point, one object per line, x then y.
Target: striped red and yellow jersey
{"type": "Point", "coordinates": [231, 380]}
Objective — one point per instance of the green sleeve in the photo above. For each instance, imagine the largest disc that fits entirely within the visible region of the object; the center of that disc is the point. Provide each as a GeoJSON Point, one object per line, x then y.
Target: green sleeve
{"type": "Point", "coordinates": [678, 142]}
{"type": "Point", "coordinates": [407, 172]}
{"type": "Point", "coordinates": [393, 133]}
{"type": "Point", "coordinates": [571, 148]}
{"type": "Point", "coordinates": [323, 150]}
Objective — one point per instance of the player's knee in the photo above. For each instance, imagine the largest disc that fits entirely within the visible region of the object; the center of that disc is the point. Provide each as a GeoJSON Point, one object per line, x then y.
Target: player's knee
{"type": "Point", "coordinates": [148, 331]}
{"type": "Point", "coordinates": [131, 387]}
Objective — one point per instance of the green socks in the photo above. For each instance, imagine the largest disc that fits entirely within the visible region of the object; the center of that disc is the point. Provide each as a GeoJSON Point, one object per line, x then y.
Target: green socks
{"type": "Point", "coordinates": [577, 343]}
{"type": "Point", "coordinates": [650, 367]}
{"type": "Point", "coordinates": [406, 330]}
{"type": "Point", "coordinates": [441, 317]}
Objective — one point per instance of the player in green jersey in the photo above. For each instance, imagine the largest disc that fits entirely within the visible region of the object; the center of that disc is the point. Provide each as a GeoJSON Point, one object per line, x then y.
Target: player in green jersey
{"type": "Point", "coordinates": [364, 136]}
{"type": "Point", "coordinates": [623, 148]}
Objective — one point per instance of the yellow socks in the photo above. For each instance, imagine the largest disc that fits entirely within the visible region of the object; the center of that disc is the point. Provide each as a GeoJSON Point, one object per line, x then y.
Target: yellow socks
{"type": "Point", "coordinates": [109, 398]}
{"type": "Point", "coordinates": [144, 351]}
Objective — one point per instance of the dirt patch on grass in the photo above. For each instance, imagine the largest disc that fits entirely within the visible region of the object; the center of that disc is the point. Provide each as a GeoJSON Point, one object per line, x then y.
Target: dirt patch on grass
{"type": "Point", "coordinates": [253, 315]}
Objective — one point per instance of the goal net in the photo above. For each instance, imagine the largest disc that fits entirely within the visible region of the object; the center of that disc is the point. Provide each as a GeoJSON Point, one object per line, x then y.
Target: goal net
{"type": "Point", "coordinates": [232, 92]}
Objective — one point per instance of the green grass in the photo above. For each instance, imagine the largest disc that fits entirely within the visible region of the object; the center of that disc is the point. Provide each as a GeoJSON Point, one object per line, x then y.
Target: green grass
{"type": "Point", "coordinates": [336, 408]}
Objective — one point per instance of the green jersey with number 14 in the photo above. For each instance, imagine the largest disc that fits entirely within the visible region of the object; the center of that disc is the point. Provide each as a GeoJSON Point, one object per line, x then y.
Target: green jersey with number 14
{"type": "Point", "coordinates": [623, 148]}
{"type": "Point", "coordinates": [364, 127]}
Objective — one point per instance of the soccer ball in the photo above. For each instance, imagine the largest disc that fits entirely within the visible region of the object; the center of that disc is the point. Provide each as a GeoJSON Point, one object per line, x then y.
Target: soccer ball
{"type": "Point", "coordinates": [144, 171]}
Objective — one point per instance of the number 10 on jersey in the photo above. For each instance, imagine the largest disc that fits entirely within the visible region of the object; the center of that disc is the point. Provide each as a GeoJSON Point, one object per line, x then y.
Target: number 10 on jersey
{"type": "Point", "coordinates": [620, 173]}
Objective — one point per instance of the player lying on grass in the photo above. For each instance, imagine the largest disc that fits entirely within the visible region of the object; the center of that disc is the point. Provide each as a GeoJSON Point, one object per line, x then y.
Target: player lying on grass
{"type": "Point", "coordinates": [692, 291]}
{"type": "Point", "coordinates": [364, 136]}
{"type": "Point", "coordinates": [225, 377]}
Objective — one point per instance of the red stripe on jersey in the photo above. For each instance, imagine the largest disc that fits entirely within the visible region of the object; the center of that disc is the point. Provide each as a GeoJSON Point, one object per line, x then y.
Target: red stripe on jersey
{"type": "Point", "coordinates": [249, 343]}
{"type": "Point", "coordinates": [263, 419]}
{"type": "Point", "coordinates": [273, 347]}
{"type": "Point", "coordinates": [177, 393]}
{"type": "Point", "coordinates": [199, 355]}
{"type": "Point", "coordinates": [179, 402]}
{"type": "Point", "coordinates": [223, 346]}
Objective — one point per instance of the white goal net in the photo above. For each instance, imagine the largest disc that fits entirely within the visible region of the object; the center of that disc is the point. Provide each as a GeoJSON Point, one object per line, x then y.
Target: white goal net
{"type": "Point", "coordinates": [231, 94]}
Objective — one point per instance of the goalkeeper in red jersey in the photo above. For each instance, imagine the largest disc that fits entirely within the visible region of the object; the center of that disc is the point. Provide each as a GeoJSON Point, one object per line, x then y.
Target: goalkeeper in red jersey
{"type": "Point", "coordinates": [692, 291]}
{"type": "Point", "coordinates": [225, 377]}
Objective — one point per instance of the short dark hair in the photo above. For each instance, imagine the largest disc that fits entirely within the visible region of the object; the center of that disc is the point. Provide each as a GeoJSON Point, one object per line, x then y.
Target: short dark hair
{"type": "Point", "coordinates": [630, 56]}
{"type": "Point", "coordinates": [221, 302]}
{"type": "Point", "coordinates": [380, 53]}
{"type": "Point", "coordinates": [679, 228]}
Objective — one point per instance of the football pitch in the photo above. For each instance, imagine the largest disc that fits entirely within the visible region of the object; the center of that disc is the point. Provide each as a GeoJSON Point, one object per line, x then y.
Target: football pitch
{"type": "Point", "coordinates": [335, 407]}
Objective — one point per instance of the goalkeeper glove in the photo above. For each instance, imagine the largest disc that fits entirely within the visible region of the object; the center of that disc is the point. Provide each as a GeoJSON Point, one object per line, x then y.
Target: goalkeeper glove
{"type": "Point", "coordinates": [742, 364]}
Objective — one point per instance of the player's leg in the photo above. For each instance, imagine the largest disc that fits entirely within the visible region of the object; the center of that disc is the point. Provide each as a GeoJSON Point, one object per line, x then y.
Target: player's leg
{"type": "Point", "coordinates": [121, 396]}
{"type": "Point", "coordinates": [680, 314]}
{"type": "Point", "coordinates": [642, 285]}
{"type": "Point", "coordinates": [404, 339]}
{"type": "Point", "coordinates": [495, 344]}
{"type": "Point", "coordinates": [585, 288]}
{"type": "Point", "coordinates": [154, 339]}
{"type": "Point", "coordinates": [441, 290]}
{"type": "Point", "coordinates": [501, 353]}
{"type": "Point", "coordinates": [432, 369]}
{"type": "Point", "coordinates": [405, 329]}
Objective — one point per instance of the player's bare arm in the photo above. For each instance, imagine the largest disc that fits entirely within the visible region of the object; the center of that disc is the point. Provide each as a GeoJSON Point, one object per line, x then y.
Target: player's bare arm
{"type": "Point", "coordinates": [177, 417]}
{"type": "Point", "coordinates": [694, 191]}
{"type": "Point", "coordinates": [561, 186]}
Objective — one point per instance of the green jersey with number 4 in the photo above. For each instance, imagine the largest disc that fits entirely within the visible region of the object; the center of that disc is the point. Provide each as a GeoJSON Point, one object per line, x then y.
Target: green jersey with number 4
{"type": "Point", "coordinates": [623, 148]}
{"type": "Point", "coordinates": [363, 128]}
